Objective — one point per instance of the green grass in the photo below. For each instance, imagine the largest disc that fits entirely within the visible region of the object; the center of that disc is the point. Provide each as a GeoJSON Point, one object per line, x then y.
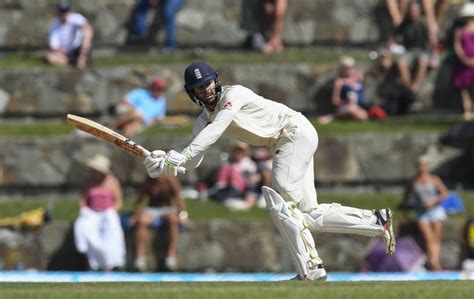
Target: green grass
{"type": "Point", "coordinates": [209, 290]}
{"type": "Point", "coordinates": [67, 209]}
{"type": "Point", "coordinates": [410, 124]}
{"type": "Point", "coordinates": [317, 56]}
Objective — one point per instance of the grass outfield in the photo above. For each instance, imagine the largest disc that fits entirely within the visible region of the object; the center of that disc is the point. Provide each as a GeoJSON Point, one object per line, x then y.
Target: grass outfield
{"type": "Point", "coordinates": [207, 290]}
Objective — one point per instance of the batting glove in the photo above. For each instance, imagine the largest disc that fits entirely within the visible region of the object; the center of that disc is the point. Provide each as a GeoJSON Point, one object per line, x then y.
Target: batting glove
{"type": "Point", "coordinates": [171, 163]}
{"type": "Point", "coordinates": [152, 163]}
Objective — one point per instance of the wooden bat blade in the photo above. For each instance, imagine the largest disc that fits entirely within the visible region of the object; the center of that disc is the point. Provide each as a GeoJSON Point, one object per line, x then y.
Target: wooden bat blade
{"type": "Point", "coordinates": [106, 134]}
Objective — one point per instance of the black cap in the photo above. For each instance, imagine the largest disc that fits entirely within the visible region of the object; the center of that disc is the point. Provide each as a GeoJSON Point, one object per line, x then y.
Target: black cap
{"type": "Point", "coordinates": [63, 6]}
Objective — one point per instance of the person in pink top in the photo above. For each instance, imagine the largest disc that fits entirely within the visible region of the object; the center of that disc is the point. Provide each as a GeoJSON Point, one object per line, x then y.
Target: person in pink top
{"type": "Point", "coordinates": [97, 231]}
{"type": "Point", "coordinates": [463, 70]}
{"type": "Point", "coordinates": [234, 177]}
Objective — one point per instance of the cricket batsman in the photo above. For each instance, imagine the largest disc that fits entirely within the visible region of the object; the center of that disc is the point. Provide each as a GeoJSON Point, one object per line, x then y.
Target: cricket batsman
{"type": "Point", "coordinates": [236, 112]}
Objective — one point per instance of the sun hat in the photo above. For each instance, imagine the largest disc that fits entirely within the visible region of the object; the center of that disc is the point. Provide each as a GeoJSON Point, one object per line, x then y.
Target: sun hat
{"type": "Point", "coordinates": [467, 10]}
{"type": "Point", "coordinates": [100, 163]}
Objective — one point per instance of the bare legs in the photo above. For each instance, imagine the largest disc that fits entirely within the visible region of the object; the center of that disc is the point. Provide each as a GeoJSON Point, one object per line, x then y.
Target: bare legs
{"type": "Point", "coordinates": [467, 104]}
{"type": "Point", "coordinates": [406, 78]}
{"type": "Point", "coordinates": [142, 234]}
{"type": "Point", "coordinates": [276, 13]}
{"type": "Point", "coordinates": [432, 234]}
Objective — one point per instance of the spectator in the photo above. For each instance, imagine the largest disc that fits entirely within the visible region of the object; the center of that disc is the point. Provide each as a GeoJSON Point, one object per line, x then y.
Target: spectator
{"type": "Point", "coordinates": [253, 22]}
{"type": "Point", "coordinates": [348, 93]}
{"type": "Point", "coordinates": [165, 203]}
{"type": "Point", "coordinates": [141, 108]}
{"type": "Point", "coordinates": [234, 178]}
{"type": "Point", "coordinates": [426, 192]}
{"type": "Point", "coordinates": [70, 38]}
{"type": "Point", "coordinates": [413, 35]}
{"type": "Point", "coordinates": [263, 177]}
{"type": "Point", "coordinates": [275, 11]}
{"type": "Point", "coordinates": [256, 180]}
{"type": "Point", "coordinates": [97, 231]}
{"type": "Point", "coordinates": [165, 12]}
{"type": "Point", "coordinates": [434, 11]}
{"type": "Point", "coordinates": [463, 69]}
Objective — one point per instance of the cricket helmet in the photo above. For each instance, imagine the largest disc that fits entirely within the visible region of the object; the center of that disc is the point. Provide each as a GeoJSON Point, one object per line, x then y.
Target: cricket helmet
{"type": "Point", "coordinates": [197, 74]}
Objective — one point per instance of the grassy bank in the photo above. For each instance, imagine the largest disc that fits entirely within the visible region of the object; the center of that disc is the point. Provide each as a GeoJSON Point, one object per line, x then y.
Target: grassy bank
{"type": "Point", "coordinates": [319, 56]}
{"type": "Point", "coordinates": [405, 125]}
{"type": "Point", "coordinates": [66, 208]}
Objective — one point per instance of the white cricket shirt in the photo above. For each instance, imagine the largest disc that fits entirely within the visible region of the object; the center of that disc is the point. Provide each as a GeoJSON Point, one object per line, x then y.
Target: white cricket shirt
{"type": "Point", "coordinates": [240, 114]}
{"type": "Point", "coordinates": [67, 36]}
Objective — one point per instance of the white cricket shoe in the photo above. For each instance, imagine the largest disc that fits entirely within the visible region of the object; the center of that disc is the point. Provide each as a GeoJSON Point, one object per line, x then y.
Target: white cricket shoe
{"type": "Point", "coordinates": [385, 218]}
{"type": "Point", "coordinates": [318, 274]}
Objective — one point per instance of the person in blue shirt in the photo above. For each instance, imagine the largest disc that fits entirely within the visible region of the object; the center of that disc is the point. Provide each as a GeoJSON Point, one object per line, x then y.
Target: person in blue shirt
{"type": "Point", "coordinates": [141, 108]}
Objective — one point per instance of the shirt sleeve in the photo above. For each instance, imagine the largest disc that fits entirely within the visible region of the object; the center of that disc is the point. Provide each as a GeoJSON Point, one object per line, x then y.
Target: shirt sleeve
{"type": "Point", "coordinates": [133, 97]}
{"type": "Point", "coordinates": [77, 19]}
{"type": "Point", "coordinates": [54, 42]}
{"type": "Point", "coordinates": [214, 130]}
{"type": "Point", "coordinates": [199, 124]}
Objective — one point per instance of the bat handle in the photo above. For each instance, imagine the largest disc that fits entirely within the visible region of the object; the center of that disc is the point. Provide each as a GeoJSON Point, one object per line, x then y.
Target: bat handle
{"type": "Point", "coordinates": [181, 169]}
{"type": "Point", "coordinates": [146, 153]}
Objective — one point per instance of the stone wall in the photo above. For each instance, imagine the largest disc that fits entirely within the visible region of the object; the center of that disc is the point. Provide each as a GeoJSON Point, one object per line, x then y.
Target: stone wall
{"type": "Point", "coordinates": [223, 23]}
{"type": "Point", "coordinates": [356, 159]}
{"type": "Point", "coordinates": [217, 245]}
{"type": "Point", "coordinates": [46, 92]}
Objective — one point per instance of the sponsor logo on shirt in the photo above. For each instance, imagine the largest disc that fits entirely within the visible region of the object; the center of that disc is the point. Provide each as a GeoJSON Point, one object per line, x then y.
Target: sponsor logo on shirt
{"type": "Point", "coordinates": [227, 105]}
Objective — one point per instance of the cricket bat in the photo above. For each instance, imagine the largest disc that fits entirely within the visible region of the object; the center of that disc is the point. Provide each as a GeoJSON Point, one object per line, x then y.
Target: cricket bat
{"type": "Point", "coordinates": [110, 136]}
{"type": "Point", "coordinates": [107, 134]}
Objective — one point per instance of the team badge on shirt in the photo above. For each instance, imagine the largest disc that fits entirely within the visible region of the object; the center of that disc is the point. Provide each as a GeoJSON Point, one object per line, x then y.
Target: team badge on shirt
{"type": "Point", "coordinates": [227, 105]}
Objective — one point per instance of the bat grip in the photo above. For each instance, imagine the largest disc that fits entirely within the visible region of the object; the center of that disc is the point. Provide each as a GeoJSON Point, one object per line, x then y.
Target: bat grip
{"type": "Point", "coordinates": [181, 169]}
{"type": "Point", "coordinates": [146, 153]}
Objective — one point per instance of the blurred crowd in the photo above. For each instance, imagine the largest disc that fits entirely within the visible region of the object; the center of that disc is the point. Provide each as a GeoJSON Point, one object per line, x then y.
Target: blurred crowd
{"type": "Point", "coordinates": [418, 42]}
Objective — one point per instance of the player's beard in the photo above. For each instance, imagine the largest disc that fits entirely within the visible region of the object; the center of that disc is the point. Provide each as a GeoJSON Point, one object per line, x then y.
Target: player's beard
{"type": "Point", "coordinates": [210, 100]}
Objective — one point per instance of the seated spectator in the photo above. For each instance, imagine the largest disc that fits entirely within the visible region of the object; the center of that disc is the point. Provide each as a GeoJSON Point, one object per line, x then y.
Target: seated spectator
{"type": "Point", "coordinates": [166, 11]}
{"type": "Point", "coordinates": [97, 231]}
{"type": "Point", "coordinates": [434, 11]}
{"type": "Point", "coordinates": [275, 11]}
{"type": "Point", "coordinates": [426, 192]}
{"type": "Point", "coordinates": [348, 93]}
{"type": "Point", "coordinates": [234, 178]}
{"type": "Point", "coordinates": [413, 35]}
{"type": "Point", "coordinates": [70, 38]}
{"type": "Point", "coordinates": [165, 202]}
{"type": "Point", "coordinates": [141, 108]}
{"type": "Point", "coordinates": [263, 177]}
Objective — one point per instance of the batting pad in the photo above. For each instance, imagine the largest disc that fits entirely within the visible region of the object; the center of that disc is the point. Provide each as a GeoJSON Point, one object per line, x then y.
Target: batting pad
{"type": "Point", "coordinates": [335, 218]}
{"type": "Point", "coordinates": [291, 225]}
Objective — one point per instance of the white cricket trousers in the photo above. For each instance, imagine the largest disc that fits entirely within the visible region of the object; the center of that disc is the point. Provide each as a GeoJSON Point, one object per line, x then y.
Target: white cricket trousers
{"type": "Point", "coordinates": [293, 179]}
{"type": "Point", "coordinates": [293, 170]}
